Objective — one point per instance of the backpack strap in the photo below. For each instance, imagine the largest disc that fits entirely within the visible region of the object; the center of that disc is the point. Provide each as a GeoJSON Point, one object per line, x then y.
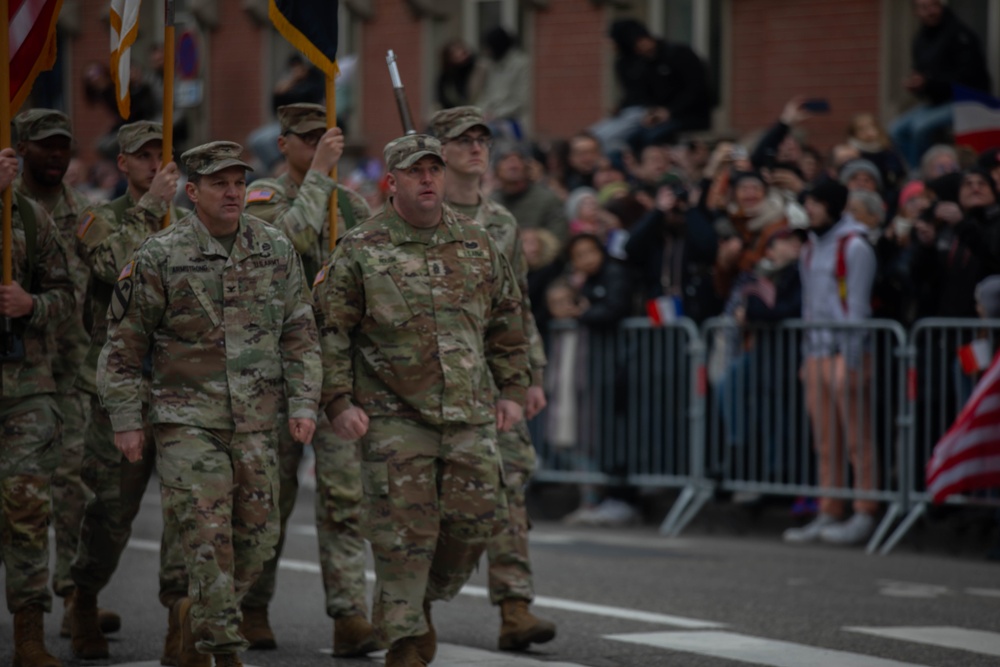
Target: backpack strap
{"type": "Point", "coordinates": [346, 210]}
{"type": "Point", "coordinates": [30, 224]}
{"type": "Point", "coordinates": [840, 270]}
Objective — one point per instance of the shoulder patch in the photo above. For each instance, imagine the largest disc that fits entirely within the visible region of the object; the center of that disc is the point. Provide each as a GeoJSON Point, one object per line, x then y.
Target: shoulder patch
{"type": "Point", "coordinates": [320, 277]}
{"type": "Point", "coordinates": [85, 223]}
{"type": "Point", "coordinates": [256, 196]}
{"type": "Point", "coordinates": [127, 270]}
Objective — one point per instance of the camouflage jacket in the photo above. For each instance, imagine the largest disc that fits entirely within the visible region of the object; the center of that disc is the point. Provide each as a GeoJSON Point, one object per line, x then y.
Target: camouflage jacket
{"type": "Point", "coordinates": [232, 335]}
{"type": "Point", "coordinates": [52, 292]}
{"type": "Point", "coordinates": [503, 228]}
{"type": "Point", "coordinates": [70, 338]}
{"type": "Point", "coordinates": [107, 236]}
{"type": "Point", "coordinates": [301, 212]}
{"type": "Point", "coordinates": [420, 324]}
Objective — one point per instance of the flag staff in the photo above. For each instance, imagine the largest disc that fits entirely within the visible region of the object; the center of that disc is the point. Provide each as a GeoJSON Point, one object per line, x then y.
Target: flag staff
{"type": "Point", "coordinates": [168, 88]}
{"type": "Point", "coordinates": [331, 121]}
{"type": "Point", "coordinates": [5, 142]}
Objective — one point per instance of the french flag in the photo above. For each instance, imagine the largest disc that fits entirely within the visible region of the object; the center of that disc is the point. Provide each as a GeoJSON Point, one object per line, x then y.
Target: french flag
{"type": "Point", "coordinates": [977, 119]}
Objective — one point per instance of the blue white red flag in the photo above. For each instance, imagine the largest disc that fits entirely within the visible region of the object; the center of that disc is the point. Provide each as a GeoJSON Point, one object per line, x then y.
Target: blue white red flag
{"type": "Point", "coordinates": [976, 118]}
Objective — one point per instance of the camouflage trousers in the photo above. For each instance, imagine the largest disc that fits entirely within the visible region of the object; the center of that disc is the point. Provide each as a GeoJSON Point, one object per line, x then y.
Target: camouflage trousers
{"type": "Point", "coordinates": [338, 520]}
{"type": "Point", "coordinates": [507, 551]}
{"type": "Point", "coordinates": [118, 487]}
{"type": "Point", "coordinates": [27, 458]}
{"type": "Point", "coordinates": [433, 498]}
{"type": "Point", "coordinates": [69, 493]}
{"type": "Point", "coordinates": [222, 487]}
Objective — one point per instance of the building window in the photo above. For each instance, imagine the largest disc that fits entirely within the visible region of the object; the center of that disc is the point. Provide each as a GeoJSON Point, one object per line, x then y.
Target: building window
{"type": "Point", "coordinates": [481, 16]}
{"type": "Point", "coordinates": [697, 23]}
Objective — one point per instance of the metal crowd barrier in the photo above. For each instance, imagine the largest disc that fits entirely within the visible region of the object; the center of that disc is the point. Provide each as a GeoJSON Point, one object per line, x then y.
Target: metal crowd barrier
{"type": "Point", "coordinates": [728, 408]}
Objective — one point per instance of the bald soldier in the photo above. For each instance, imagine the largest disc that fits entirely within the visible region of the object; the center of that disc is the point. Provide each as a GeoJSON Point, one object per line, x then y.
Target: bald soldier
{"type": "Point", "coordinates": [221, 303]}
{"type": "Point", "coordinates": [107, 236]}
{"type": "Point", "coordinates": [425, 359]}
{"type": "Point", "coordinates": [44, 141]}
{"type": "Point", "coordinates": [298, 203]}
{"type": "Point", "coordinates": [465, 147]}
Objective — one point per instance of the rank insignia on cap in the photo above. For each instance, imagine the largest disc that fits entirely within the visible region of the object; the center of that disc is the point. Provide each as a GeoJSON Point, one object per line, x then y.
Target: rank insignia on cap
{"type": "Point", "coordinates": [320, 277]}
{"type": "Point", "coordinates": [259, 195]}
{"type": "Point", "coordinates": [81, 229]}
{"type": "Point", "coordinates": [127, 270]}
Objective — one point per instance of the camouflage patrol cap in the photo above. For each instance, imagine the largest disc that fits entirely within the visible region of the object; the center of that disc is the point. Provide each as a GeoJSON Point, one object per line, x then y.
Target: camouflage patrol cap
{"type": "Point", "coordinates": [133, 136]}
{"type": "Point", "coordinates": [38, 124]}
{"type": "Point", "coordinates": [450, 123]}
{"type": "Point", "coordinates": [301, 118]}
{"type": "Point", "coordinates": [214, 156]}
{"type": "Point", "coordinates": [405, 151]}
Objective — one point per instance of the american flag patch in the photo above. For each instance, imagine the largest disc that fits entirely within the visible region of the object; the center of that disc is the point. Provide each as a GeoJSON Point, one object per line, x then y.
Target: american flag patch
{"type": "Point", "coordinates": [259, 195]}
{"type": "Point", "coordinates": [320, 277]}
{"type": "Point", "coordinates": [85, 223]}
{"type": "Point", "coordinates": [127, 271]}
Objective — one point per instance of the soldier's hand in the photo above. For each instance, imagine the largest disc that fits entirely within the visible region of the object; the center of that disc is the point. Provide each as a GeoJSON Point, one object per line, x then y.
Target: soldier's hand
{"type": "Point", "coordinates": [535, 403]}
{"type": "Point", "coordinates": [130, 444]}
{"type": "Point", "coordinates": [351, 424]}
{"type": "Point", "coordinates": [302, 430]}
{"type": "Point", "coordinates": [8, 167]}
{"type": "Point", "coordinates": [164, 186]}
{"type": "Point", "coordinates": [509, 413]}
{"type": "Point", "coordinates": [328, 150]}
{"type": "Point", "coordinates": [14, 301]}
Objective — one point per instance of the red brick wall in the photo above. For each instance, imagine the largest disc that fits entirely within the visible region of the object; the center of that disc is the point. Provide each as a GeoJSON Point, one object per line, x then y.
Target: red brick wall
{"type": "Point", "coordinates": [569, 67]}
{"type": "Point", "coordinates": [817, 48]}
{"type": "Point", "coordinates": [235, 85]}
{"type": "Point", "coordinates": [396, 28]}
{"type": "Point", "coordinates": [90, 123]}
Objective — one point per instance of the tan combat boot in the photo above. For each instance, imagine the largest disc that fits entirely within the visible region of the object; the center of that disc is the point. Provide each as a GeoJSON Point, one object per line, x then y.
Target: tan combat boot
{"type": "Point", "coordinates": [427, 643]}
{"type": "Point", "coordinates": [404, 653]}
{"type": "Point", "coordinates": [88, 640]}
{"type": "Point", "coordinates": [520, 627]}
{"type": "Point", "coordinates": [110, 621]}
{"type": "Point", "coordinates": [227, 660]}
{"type": "Point", "coordinates": [29, 640]}
{"type": "Point", "coordinates": [172, 642]}
{"type": "Point", "coordinates": [353, 636]}
{"type": "Point", "coordinates": [256, 628]}
{"type": "Point", "coordinates": [188, 656]}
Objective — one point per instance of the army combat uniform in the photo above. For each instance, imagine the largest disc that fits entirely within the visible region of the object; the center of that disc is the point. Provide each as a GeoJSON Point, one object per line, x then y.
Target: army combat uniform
{"type": "Point", "coordinates": [418, 328]}
{"type": "Point", "coordinates": [69, 493]}
{"type": "Point", "coordinates": [233, 344]}
{"type": "Point", "coordinates": [107, 236]}
{"type": "Point", "coordinates": [30, 428]}
{"type": "Point", "coordinates": [301, 212]}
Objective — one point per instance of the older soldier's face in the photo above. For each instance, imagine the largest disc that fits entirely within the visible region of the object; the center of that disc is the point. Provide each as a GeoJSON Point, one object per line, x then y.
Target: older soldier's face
{"type": "Point", "coordinates": [420, 186]}
{"type": "Point", "coordinates": [218, 198]}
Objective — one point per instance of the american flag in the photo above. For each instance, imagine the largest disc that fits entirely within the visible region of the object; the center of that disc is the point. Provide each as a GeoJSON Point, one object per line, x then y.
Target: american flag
{"type": "Point", "coordinates": [32, 43]}
{"type": "Point", "coordinates": [968, 456]}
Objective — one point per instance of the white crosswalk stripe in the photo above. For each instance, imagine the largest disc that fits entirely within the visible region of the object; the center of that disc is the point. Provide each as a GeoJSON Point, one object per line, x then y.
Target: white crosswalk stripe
{"type": "Point", "coordinates": [755, 650]}
{"type": "Point", "coordinates": [975, 641]}
{"type": "Point", "coordinates": [450, 655]}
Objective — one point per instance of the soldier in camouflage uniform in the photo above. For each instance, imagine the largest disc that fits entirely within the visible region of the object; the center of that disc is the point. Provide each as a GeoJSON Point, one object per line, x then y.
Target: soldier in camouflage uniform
{"type": "Point", "coordinates": [466, 142]}
{"type": "Point", "coordinates": [221, 302]}
{"type": "Point", "coordinates": [107, 237]}
{"type": "Point", "coordinates": [298, 203]}
{"type": "Point", "coordinates": [29, 417]}
{"type": "Point", "coordinates": [420, 323]}
{"type": "Point", "coordinates": [44, 143]}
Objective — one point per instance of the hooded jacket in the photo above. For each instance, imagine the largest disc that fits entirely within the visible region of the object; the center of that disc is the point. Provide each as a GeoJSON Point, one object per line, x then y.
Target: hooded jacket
{"type": "Point", "coordinates": [948, 53]}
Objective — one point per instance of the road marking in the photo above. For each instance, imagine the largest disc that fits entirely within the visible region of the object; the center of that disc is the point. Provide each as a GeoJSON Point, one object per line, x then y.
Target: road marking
{"type": "Point", "coordinates": [451, 655]}
{"type": "Point", "coordinates": [743, 648]}
{"type": "Point", "coordinates": [975, 641]}
{"type": "Point", "coordinates": [909, 589]}
{"type": "Point", "coordinates": [984, 592]}
{"type": "Point", "coordinates": [480, 592]}
{"type": "Point", "coordinates": [148, 663]}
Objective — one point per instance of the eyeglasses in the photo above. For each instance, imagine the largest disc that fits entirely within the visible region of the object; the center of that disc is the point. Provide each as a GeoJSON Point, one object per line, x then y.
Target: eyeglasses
{"type": "Point", "coordinates": [466, 142]}
{"type": "Point", "coordinates": [310, 139]}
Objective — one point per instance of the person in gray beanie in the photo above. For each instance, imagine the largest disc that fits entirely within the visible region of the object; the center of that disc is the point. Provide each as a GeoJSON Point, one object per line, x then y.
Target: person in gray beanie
{"type": "Point", "coordinates": [988, 297]}
{"type": "Point", "coordinates": [861, 174]}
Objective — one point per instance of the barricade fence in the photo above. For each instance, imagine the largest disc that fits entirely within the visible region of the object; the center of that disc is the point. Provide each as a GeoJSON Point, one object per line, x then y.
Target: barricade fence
{"type": "Point", "coordinates": [847, 413]}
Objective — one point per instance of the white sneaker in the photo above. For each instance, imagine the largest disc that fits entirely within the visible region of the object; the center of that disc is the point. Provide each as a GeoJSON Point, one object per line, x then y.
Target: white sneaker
{"type": "Point", "coordinates": [855, 530]}
{"type": "Point", "coordinates": [581, 516]}
{"type": "Point", "coordinates": [612, 512]}
{"type": "Point", "coordinates": [809, 532]}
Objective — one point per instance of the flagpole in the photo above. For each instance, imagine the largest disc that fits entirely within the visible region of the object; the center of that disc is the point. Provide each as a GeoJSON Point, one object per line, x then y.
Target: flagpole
{"type": "Point", "coordinates": [331, 121]}
{"type": "Point", "coordinates": [8, 274]}
{"type": "Point", "coordinates": [168, 89]}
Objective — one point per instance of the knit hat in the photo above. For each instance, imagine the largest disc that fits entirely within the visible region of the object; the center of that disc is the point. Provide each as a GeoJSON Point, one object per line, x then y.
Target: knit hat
{"type": "Point", "coordinates": [830, 193]}
{"type": "Point", "coordinates": [989, 159]}
{"type": "Point", "coordinates": [575, 199]}
{"type": "Point", "coordinates": [612, 191]}
{"type": "Point", "coordinates": [988, 296]}
{"type": "Point", "coordinates": [848, 171]}
{"type": "Point", "coordinates": [909, 191]}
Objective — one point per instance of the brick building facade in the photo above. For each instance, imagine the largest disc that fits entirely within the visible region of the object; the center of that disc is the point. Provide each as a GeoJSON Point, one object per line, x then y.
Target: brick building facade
{"type": "Point", "coordinates": [760, 53]}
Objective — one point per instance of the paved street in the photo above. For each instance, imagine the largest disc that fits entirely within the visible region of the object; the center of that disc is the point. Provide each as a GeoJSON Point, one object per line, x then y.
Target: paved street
{"type": "Point", "coordinates": [627, 597]}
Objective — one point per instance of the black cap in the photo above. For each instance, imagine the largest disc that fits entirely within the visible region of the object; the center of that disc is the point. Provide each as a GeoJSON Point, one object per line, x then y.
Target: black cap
{"type": "Point", "coordinates": [832, 194]}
